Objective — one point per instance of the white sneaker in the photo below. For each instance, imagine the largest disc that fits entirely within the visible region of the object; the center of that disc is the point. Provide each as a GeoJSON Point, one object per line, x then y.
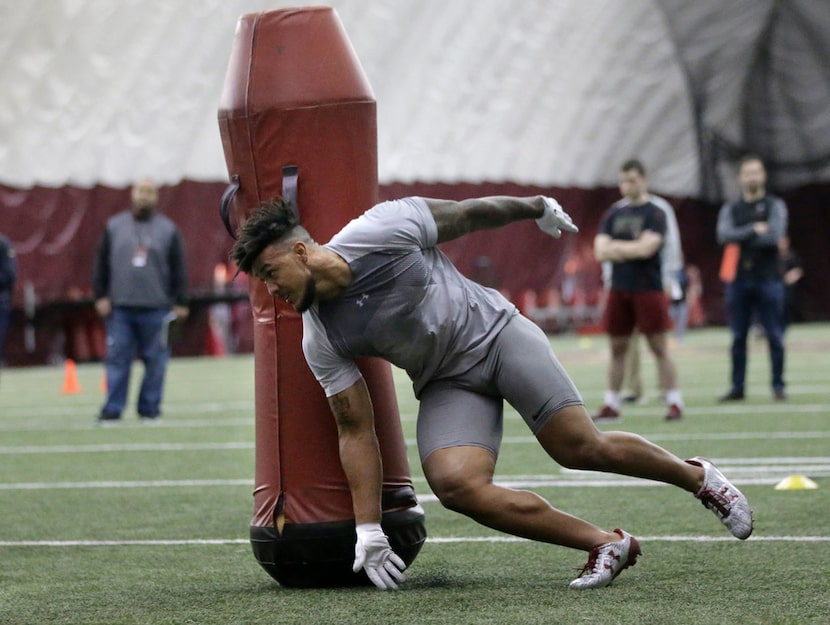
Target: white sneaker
{"type": "Point", "coordinates": [607, 561]}
{"type": "Point", "coordinates": [721, 497]}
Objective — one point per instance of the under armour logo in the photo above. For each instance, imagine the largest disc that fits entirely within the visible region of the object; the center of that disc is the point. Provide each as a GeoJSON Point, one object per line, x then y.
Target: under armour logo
{"type": "Point", "coordinates": [362, 300]}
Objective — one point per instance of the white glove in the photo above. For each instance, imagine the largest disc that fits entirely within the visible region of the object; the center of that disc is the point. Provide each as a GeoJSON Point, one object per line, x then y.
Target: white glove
{"type": "Point", "coordinates": [554, 220]}
{"type": "Point", "coordinates": [373, 554]}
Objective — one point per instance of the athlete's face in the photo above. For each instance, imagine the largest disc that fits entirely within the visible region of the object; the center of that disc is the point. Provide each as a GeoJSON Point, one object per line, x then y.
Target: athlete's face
{"type": "Point", "coordinates": [286, 275]}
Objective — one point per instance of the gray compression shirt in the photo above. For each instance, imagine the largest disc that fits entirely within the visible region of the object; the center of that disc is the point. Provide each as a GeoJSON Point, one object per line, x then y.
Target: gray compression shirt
{"type": "Point", "coordinates": [407, 303]}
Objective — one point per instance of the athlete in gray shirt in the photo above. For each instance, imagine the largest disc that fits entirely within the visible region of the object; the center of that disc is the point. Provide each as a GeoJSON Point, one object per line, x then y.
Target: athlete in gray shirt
{"type": "Point", "coordinates": [381, 287]}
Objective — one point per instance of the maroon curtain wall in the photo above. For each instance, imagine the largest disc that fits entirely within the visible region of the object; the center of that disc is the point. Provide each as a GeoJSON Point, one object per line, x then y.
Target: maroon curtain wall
{"type": "Point", "coordinates": [55, 232]}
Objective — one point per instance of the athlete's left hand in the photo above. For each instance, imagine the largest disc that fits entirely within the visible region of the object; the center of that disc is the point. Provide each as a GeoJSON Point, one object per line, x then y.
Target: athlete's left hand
{"type": "Point", "coordinates": [554, 220]}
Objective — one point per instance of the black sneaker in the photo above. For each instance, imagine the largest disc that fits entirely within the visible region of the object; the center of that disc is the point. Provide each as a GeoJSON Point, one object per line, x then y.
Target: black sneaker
{"type": "Point", "coordinates": [106, 418]}
{"type": "Point", "coordinates": [732, 395]}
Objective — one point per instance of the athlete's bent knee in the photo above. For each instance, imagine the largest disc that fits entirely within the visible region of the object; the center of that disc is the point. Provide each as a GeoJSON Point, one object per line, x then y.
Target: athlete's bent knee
{"type": "Point", "coordinates": [458, 495]}
{"type": "Point", "coordinates": [584, 456]}
{"type": "Point", "coordinates": [573, 441]}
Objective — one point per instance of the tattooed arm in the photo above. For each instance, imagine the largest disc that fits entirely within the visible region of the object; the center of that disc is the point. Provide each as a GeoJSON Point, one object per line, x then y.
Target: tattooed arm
{"type": "Point", "coordinates": [359, 450]}
{"type": "Point", "coordinates": [455, 219]}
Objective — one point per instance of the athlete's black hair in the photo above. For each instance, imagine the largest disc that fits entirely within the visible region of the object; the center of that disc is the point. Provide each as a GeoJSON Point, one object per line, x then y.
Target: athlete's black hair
{"type": "Point", "coordinates": [272, 221]}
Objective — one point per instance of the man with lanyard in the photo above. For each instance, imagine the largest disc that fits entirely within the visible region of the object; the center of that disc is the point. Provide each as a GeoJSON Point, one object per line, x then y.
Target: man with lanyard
{"type": "Point", "coordinates": [381, 287]}
{"type": "Point", "coordinates": [140, 285]}
{"type": "Point", "coordinates": [757, 223]}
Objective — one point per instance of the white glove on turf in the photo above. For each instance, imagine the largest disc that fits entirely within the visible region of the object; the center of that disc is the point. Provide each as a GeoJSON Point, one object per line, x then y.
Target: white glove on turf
{"type": "Point", "coordinates": [373, 554]}
{"type": "Point", "coordinates": [554, 220]}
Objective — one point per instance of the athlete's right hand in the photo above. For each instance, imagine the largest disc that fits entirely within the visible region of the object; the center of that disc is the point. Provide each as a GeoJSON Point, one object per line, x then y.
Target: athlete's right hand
{"type": "Point", "coordinates": [373, 554]}
{"type": "Point", "coordinates": [554, 220]}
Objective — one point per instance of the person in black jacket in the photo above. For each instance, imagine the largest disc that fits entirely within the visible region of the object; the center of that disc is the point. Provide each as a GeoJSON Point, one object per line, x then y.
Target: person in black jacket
{"type": "Point", "coordinates": [140, 286]}
{"type": "Point", "coordinates": [757, 223]}
{"type": "Point", "coordinates": [8, 276]}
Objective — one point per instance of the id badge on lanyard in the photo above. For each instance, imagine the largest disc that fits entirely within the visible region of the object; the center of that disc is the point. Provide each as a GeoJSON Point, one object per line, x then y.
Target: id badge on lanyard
{"type": "Point", "coordinates": [140, 256]}
{"type": "Point", "coordinates": [143, 237]}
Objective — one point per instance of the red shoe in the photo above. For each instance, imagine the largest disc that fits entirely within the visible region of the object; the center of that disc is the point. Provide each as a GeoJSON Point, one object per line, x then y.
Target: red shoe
{"type": "Point", "coordinates": [675, 413]}
{"type": "Point", "coordinates": [606, 414]}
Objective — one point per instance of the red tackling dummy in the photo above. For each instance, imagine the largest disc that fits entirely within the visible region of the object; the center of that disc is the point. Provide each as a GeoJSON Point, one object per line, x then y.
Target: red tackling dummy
{"type": "Point", "coordinates": [295, 96]}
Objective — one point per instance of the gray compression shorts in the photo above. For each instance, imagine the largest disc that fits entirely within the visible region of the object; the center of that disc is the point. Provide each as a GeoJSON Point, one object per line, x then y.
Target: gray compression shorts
{"type": "Point", "coordinates": [468, 409]}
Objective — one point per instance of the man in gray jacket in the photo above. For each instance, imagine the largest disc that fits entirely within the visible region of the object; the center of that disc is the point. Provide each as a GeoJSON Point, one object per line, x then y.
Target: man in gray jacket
{"type": "Point", "coordinates": [140, 286]}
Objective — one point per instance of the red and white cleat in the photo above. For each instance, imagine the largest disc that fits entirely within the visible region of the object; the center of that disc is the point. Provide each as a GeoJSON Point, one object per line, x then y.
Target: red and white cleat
{"type": "Point", "coordinates": [721, 497]}
{"type": "Point", "coordinates": [607, 561]}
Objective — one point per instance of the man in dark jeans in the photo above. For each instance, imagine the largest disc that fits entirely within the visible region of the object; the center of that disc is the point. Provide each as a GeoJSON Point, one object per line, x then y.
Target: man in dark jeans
{"type": "Point", "coordinates": [8, 276]}
{"type": "Point", "coordinates": [140, 285]}
{"type": "Point", "coordinates": [756, 222]}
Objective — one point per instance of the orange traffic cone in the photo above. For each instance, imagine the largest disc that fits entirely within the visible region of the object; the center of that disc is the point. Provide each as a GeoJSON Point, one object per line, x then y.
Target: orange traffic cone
{"type": "Point", "coordinates": [70, 379]}
{"type": "Point", "coordinates": [214, 344]}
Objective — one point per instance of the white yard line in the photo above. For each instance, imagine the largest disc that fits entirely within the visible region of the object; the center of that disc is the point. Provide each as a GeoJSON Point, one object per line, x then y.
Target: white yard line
{"type": "Point", "coordinates": [28, 413]}
{"type": "Point", "coordinates": [670, 539]}
{"type": "Point", "coordinates": [508, 440]}
{"type": "Point", "coordinates": [743, 476]}
{"type": "Point", "coordinates": [703, 436]}
{"type": "Point", "coordinates": [436, 540]}
{"type": "Point", "coordinates": [20, 418]}
{"type": "Point", "coordinates": [122, 447]}
{"type": "Point", "coordinates": [130, 423]}
{"type": "Point", "coordinates": [249, 482]}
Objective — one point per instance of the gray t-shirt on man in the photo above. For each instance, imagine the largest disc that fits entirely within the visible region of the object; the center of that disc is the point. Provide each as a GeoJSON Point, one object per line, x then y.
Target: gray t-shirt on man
{"type": "Point", "coordinates": [407, 303]}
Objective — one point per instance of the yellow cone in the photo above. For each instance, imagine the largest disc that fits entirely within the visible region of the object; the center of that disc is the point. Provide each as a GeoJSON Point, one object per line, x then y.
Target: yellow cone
{"type": "Point", "coordinates": [796, 482]}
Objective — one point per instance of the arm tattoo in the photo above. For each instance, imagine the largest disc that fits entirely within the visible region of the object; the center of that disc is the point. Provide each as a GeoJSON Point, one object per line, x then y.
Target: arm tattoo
{"type": "Point", "coordinates": [451, 225]}
{"type": "Point", "coordinates": [340, 406]}
{"type": "Point", "coordinates": [455, 219]}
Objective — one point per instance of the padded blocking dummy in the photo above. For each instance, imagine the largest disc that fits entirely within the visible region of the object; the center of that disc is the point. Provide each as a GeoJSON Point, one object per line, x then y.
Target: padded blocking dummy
{"type": "Point", "coordinates": [296, 96]}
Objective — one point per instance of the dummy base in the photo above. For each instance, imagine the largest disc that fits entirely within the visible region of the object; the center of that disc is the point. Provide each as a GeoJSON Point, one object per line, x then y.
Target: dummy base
{"type": "Point", "coordinates": [320, 555]}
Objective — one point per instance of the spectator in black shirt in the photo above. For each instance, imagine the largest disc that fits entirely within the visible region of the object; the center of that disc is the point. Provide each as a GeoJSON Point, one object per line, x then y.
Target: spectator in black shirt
{"type": "Point", "coordinates": [8, 276]}
{"type": "Point", "coordinates": [756, 222]}
{"type": "Point", "coordinates": [791, 273]}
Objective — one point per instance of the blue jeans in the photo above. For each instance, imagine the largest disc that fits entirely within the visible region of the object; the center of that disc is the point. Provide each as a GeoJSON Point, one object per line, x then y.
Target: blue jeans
{"type": "Point", "coordinates": [764, 298]}
{"type": "Point", "coordinates": [135, 332]}
{"type": "Point", "coordinates": [5, 315]}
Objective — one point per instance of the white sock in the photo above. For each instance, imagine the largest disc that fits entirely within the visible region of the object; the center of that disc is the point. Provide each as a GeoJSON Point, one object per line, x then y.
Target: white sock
{"type": "Point", "coordinates": [674, 396]}
{"type": "Point", "coordinates": [612, 399]}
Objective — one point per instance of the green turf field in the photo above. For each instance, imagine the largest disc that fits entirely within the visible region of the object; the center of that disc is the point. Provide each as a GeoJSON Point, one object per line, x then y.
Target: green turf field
{"type": "Point", "coordinates": [149, 523]}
